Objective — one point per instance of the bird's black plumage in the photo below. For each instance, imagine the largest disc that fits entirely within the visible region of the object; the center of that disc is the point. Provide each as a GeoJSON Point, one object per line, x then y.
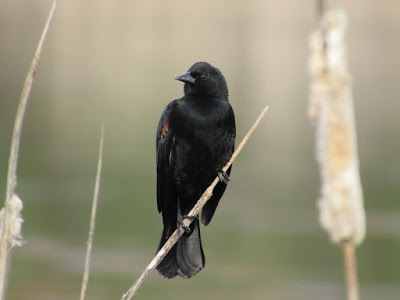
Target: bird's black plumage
{"type": "Point", "coordinates": [195, 139]}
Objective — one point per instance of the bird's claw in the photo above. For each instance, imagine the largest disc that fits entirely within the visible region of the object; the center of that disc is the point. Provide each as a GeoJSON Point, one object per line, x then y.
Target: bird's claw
{"type": "Point", "coordinates": [186, 228]}
{"type": "Point", "coordinates": [223, 177]}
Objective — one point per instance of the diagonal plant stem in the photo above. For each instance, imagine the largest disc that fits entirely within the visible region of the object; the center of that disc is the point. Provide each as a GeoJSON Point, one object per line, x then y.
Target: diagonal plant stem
{"type": "Point", "coordinates": [89, 248]}
{"type": "Point", "coordinates": [14, 149]}
{"type": "Point", "coordinates": [187, 221]}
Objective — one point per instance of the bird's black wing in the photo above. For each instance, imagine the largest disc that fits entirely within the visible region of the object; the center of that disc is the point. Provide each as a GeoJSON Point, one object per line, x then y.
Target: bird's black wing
{"type": "Point", "coordinates": [228, 140]}
{"type": "Point", "coordinates": [166, 194]}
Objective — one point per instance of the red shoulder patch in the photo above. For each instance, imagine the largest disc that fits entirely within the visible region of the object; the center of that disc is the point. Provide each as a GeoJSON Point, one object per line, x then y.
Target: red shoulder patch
{"type": "Point", "coordinates": [165, 127]}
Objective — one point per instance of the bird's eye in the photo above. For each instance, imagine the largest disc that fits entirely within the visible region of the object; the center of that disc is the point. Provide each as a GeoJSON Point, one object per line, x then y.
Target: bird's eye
{"type": "Point", "coordinates": [202, 77]}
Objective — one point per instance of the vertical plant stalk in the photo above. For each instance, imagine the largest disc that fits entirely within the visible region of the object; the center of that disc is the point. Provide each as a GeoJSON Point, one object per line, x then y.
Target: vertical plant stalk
{"type": "Point", "coordinates": [14, 150]}
{"type": "Point", "coordinates": [341, 207]}
{"type": "Point", "coordinates": [350, 267]}
{"type": "Point", "coordinates": [89, 248]}
{"type": "Point", "coordinates": [187, 221]}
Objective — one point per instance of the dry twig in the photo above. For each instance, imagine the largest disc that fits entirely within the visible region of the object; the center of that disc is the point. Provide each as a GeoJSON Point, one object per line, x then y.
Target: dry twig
{"type": "Point", "coordinates": [187, 221]}
{"type": "Point", "coordinates": [14, 150]}
{"type": "Point", "coordinates": [85, 278]}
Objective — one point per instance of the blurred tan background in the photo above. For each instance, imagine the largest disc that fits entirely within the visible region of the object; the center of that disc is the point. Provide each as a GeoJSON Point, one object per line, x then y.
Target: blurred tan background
{"type": "Point", "coordinates": [114, 62]}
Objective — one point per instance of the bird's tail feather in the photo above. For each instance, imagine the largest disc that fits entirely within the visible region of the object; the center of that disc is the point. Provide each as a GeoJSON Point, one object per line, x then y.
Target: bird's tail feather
{"type": "Point", "coordinates": [189, 252]}
{"type": "Point", "coordinates": [186, 258]}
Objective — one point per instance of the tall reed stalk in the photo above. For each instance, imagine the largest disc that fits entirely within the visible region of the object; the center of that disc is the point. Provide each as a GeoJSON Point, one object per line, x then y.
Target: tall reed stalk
{"type": "Point", "coordinates": [341, 208]}
{"type": "Point", "coordinates": [6, 225]}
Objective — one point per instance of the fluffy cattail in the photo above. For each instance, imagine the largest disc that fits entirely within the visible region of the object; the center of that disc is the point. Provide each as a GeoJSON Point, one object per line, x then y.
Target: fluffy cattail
{"type": "Point", "coordinates": [14, 221]}
{"type": "Point", "coordinates": [341, 208]}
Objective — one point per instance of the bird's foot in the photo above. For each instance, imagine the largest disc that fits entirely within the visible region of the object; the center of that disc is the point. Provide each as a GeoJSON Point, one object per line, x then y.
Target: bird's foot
{"type": "Point", "coordinates": [186, 228]}
{"type": "Point", "coordinates": [223, 177]}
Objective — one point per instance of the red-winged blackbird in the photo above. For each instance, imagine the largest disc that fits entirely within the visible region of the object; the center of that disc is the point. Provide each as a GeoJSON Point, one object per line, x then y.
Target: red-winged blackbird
{"type": "Point", "coordinates": [195, 139]}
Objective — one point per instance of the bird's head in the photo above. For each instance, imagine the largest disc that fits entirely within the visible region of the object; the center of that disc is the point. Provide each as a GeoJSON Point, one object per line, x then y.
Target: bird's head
{"type": "Point", "coordinates": [202, 79]}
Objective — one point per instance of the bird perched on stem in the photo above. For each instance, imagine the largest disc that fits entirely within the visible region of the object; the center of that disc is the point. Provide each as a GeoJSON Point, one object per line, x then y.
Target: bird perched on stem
{"type": "Point", "coordinates": [195, 139]}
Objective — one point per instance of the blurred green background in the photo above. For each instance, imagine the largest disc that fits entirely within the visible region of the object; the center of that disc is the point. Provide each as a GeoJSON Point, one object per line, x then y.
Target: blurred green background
{"type": "Point", "coordinates": [114, 62]}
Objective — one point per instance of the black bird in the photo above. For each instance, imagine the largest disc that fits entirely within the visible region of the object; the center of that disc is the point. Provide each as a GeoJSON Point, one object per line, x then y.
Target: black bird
{"type": "Point", "coordinates": [195, 139]}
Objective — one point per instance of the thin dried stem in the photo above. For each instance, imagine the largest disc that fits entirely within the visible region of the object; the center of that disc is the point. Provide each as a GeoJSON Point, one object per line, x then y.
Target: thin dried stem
{"type": "Point", "coordinates": [187, 221]}
{"type": "Point", "coordinates": [86, 272]}
{"type": "Point", "coordinates": [350, 266]}
{"type": "Point", "coordinates": [320, 8]}
{"type": "Point", "coordinates": [14, 150]}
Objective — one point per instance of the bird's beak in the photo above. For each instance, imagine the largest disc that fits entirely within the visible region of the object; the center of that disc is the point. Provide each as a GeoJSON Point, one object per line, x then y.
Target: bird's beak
{"type": "Point", "coordinates": [186, 78]}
